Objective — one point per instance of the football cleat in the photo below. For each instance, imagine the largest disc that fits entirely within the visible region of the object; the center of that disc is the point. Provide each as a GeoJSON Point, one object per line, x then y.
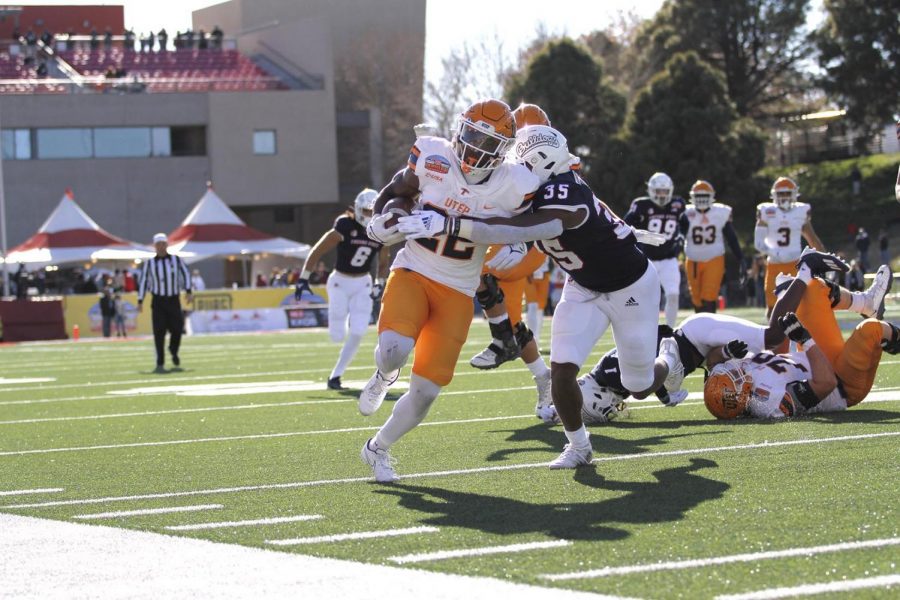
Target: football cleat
{"type": "Point", "coordinates": [335, 383]}
{"type": "Point", "coordinates": [782, 282]}
{"type": "Point", "coordinates": [373, 393]}
{"type": "Point", "coordinates": [668, 347]}
{"type": "Point", "coordinates": [820, 263]}
{"type": "Point", "coordinates": [381, 461]}
{"type": "Point", "coordinates": [877, 292]}
{"type": "Point", "coordinates": [573, 457]}
{"type": "Point", "coordinates": [493, 356]}
{"type": "Point", "coordinates": [544, 409]}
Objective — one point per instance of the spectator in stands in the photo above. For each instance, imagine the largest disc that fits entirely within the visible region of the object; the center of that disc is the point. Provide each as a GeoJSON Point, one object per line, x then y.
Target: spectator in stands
{"type": "Point", "coordinates": [862, 245]}
{"type": "Point", "coordinates": [884, 255]}
{"type": "Point", "coordinates": [21, 281]}
{"type": "Point", "coordinates": [261, 280]}
{"type": "Point", "coordinates": [217, 36]}
{"type": "Point", "coordinates": [130, 283]}
{"type": "Point", "coordinates": [152, 43]}
{"type": "Point", "coordinates": [855, 278]}
{"type": "Point", "coordinates": [110, 72]}
{"type": "Point", "coordinates": [855, 180]}
{"type": "Point", "coordinates": [40, 281]}
{"type": "Point", "coordinates": [292, 277]}
{"type": "Point", "coordinates": [47, 38]}
{"type": "Point", "coordinates": [202, 41]}
{"type": "Point", "coordinates": [107, 310]}
{"type": "Point", "coordinates": [107, 39]}
{"type": "Point", "coordinates": [89, 286]}
{"type": "Point", "coordinates": [70, 40]}
{"type": "Point", "coordinates": [95, 43]}
{"type": "Point", "coordinates": [163, 38]}
{"type": "Point", "coordinates": [320, 275]}
{"type": "Point", "coordinates": [119, 305]}
{"type": "Point", "coordinates": [197, 282]}
{"type": "Point", "coordinates": [31, 38]}
{"type": "Point", "coordinates": [188, 39]}
{"type": "Point", "coordinates": [118, 281]}
{"type": "Point", "coordinates": [145, 43]}
{"type": "Point", "coordinates": [129, 39]}
{"type": "Point", "coordinates": [42, 69]}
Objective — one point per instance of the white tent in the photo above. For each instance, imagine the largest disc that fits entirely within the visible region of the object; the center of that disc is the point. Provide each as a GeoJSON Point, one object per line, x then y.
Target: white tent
{"type": "Point", "coordinates": [70, 236]}
{"type": "Point", "coordinates": [213, 230]}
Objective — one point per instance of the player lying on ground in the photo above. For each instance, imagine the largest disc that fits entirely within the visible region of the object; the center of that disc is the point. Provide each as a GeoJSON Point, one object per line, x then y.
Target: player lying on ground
{"type": "Point", "coordinates": [700, 334]}
{"type": "Point", "coordinates": [611, 282]}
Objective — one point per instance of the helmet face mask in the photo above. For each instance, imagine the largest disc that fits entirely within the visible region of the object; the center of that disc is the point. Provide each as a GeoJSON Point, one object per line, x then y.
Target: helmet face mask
{"type": "Point", "coordinates": [543, 150]}
{"type": "Point", "coordinates": [727, 391]}
{"type": "Point", "coordinates": [660, 188]}
{"type": "Point", "coordinates": [702, 195]}
{"type": "Point", "coordinates": [599, 404]}
{"type": "Point", "coordinates": [484, 134]}
{"type": "Point", "coordinates": [364, 206]}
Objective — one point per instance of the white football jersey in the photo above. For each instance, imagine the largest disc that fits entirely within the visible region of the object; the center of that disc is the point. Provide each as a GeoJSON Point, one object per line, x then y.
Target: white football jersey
{"type": "Point", "coordinates": [704, 240]}
{"type": "Point", "coordinates": [771, 374]}
{"type": "Point", "coordinates": [783, 230]}
{"type": "Point", "coordinates": [456, 262]}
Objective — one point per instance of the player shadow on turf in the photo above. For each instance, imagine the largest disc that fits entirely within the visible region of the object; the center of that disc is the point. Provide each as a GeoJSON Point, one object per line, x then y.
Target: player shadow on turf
{"type": "Point", "coordinates": [551, 439]}
{"type": "Point", "coordinates": [857, 415]}
{"type": "Point", "coordinates": [676, 491]}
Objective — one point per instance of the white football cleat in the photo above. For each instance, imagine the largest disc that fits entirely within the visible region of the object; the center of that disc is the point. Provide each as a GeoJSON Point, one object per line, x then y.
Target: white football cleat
{"type": "Point", "coordinates": [676, 398]}
{"type": "Point", "coordinates": [876, 293]}
{"type": "Point", "coordinates": [544, 409]}
{"type": "Point", "coordinates": [573, 457]}
{"type": "Point", "coordinates": [669, 347]}
{"type": "Point", "coordinates": [381, 462]}
{"type": "Point", "coordinates": [373, 393]}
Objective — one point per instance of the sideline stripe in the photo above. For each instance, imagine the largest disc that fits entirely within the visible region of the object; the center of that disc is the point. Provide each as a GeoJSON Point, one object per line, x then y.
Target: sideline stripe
{"type": "Point", "coordinates": [359, 535]}
{"type": "Point", "coordinates": [225, 524]}
{"type": "Point", "coordinates": [812, 589]}
{"type": "Point", "coordinates": [445, 554]}
{"type": "Point", "coordinates": [721, 560]}
{"type": "Point", "coordinates": [34, 491]}
{"type": "Point", "coordinates": [512, 467]}
{"type": "Point", "coordinates": [149, 511]}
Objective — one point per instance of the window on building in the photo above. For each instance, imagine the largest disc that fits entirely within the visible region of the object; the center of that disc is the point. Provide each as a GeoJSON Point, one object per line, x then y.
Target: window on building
{"type": "Point", "coordinates": [65, 143]}
{"type": "Point", "coordinates": [284, 214]}
{"type": "Point", "coordinates": [188, 141]}
{"type": "Point", "coordinates": [264, 142]}
{"type": "Point", "coordinates": [161, 138]}
{"type": "Point", "coordinates": [16, 144]}
{"type": "Point", "coordinates": [121, 142]}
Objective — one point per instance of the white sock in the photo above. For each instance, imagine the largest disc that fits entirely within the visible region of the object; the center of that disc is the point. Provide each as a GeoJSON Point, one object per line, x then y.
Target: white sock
{"type": "Point", "coordinates": [672, 310]}
{"type": "Point", "coordinates": [409, 411]}
{"type": "Point", "coordinates": [857, 302]}
{"type": "Point", "coordinates": [348, 351]}
{"type": "Point", "coordinates": [579, 438]}
{"type": "Point", "coordinates": [538, 368]}
{"type": "Point", "coordinates": [498, 319]}
{"type": "Point", "coordinates": [533, 320]}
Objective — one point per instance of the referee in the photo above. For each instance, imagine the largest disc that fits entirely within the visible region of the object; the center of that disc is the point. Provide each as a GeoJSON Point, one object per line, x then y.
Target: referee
{"type": "Point", "coordinates": [165, 275]}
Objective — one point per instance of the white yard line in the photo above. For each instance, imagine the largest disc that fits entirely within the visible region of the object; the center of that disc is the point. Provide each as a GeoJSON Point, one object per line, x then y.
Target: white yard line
{"type": "Point", "coordinates": [358, 535]}
{"type": "Point", "coordinates": [678, 565]}
{"type": "Point", "coordinates": [96, 561]}
{"type": "Point", "coordinates": [508, 549]}
{"type": "Point", "coordinates": [34, 491]}
{"type": "Point", "coordinates": [251, 523]}
{"type": "Point", "coordinates": [149, 511]}
{"type": "Point", "coordinates": [812, 589]}
{"type": "Point", "coordinates": [474, 470]}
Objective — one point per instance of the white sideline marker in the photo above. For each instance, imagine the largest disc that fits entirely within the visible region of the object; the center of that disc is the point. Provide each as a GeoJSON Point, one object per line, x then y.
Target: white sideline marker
{"type": "Point", "coordinates": [149, 511]}
{"type": "Point", "coordinates": [678, 565]}
{"type": "Point", "coordinates": [227, 524]}
{"type": "Point", "coordinates": [359, 535]}
{"type": "Point", "coordinates": [812, 589]}
{"type": "Point", "coordinates": [445, 554]}
{"type": "Point", "coordinates": [34, 491]}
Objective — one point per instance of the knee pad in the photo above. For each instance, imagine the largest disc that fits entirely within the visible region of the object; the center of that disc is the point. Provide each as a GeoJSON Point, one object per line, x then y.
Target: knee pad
{"type": "Point", "coordinates": [491, 295]}
{"type": "Point", "coordinates": [523, 335]}
{"type": "Point", "coordinates": [834, 291]}
{"type": "Point", "coordinates": [392, 350]}
{"type": "Point", "coordinates": [337, 330]}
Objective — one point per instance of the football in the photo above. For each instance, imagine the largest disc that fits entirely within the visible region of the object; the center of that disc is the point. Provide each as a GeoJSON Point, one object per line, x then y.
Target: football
{"type": "Point", "coordinates": [401, 207]}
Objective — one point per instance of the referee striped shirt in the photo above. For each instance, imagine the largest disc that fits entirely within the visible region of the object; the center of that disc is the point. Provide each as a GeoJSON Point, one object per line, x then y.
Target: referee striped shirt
{"type": "Point", "coordinates": [164, 276]}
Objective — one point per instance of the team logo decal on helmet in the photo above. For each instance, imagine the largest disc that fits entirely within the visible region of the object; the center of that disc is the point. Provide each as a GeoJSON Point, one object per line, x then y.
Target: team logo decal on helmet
{"type": "Point", "coordinates": [727, 391]}
{"type": "Point", "coordinates": [544, 150]}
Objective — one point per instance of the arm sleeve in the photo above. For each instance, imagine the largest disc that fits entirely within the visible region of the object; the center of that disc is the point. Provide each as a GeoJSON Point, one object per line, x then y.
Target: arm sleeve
{"type": "Point", "coordinates": [731, 237]}
{"type": "Point", "coordinates": [632, 217]}
{"type": "Point", "coordinates": [683, 224]}
{"type": "Point", "coordinates": [759, 239]}
{"type": "Point", "coordinates": [145, 275]}
{"type": "Point", "coordinates": [483, 233]}
{"type": "Point", "coordinates": [182, 268]}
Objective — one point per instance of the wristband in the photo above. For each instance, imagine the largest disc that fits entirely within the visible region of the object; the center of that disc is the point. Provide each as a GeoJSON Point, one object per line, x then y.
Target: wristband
{"type": "Point", "coordinates": [304, 274]}
{"type": "Point", "coordinates": [464, 228]}
{"type": "Point", "coordinates": [808, 344]}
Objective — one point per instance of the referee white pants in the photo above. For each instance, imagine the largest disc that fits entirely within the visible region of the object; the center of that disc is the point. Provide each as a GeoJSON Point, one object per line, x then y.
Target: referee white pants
{"type": "Point", "coordinates": [349, 304]}
{"type": "Point", "coordinates": [582, 317]}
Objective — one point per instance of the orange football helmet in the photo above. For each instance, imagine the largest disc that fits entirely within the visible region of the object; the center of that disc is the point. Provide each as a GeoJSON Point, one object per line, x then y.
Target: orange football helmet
{"type": "Point", "coordinates": [727, 390]}
{"type": "Point", "coordinates": [530, 114]}
{"type": "Point", "coordinates": [485, 133]}
{"type": "Point", "coordinates": [785, 192]}
{"type": "Point", "coordinates": [703, 194]}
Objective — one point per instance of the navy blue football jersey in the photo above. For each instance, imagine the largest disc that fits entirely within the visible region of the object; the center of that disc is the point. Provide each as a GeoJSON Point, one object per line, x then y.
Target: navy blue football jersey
{"type": "Point", "coordinates": [647, 214]}
{"type": "Point", "coordinates": [356, 250]}
{"type": "Point", "coordinates": [601, 254]}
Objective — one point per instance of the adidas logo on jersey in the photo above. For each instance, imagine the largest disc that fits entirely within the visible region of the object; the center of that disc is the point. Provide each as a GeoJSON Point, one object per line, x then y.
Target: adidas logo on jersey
{"type": "Point", "coordinates": [631, 301]}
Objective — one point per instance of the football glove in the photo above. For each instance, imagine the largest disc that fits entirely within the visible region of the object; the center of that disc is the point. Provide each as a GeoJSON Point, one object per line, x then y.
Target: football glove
{"type": "Point", "coordinates": [508, 257]}
{"type": "Point", "coordinates": [301, 286]}
{"type": "Point", "coordinates": [377, 290]}
{"type": "Point", "coordinates": [793, 328]}
{"type": "Point", "coordinates": [674, 398]}
{"type": "Point", "coordinates": [423, 224]}
{"type": "Point", "coordinates": [648, 237]}
{"type": "Point", "coordinates": [821, 262]}
{"type": "Point", "coordinates": [735, 349]}
{"type": "Point", "coordinates": [376, 230]}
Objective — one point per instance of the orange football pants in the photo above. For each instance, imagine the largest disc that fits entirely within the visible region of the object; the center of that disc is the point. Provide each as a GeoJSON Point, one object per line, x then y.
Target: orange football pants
{"type": "Point", "coordinates": [514, 281]}
{"type": "Point", "coordinates": [538, 291]}
{"type": "Point", "coordinates": [705, 279]}
{"type": "Point", "coordinates": [436, 316]}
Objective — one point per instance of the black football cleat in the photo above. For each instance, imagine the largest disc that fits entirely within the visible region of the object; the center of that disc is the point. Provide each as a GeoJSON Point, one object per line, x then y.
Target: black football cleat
{"type": "Point", "coordinates": [335, 384]}
{"type": "Point", "coordinates": [820, 263]}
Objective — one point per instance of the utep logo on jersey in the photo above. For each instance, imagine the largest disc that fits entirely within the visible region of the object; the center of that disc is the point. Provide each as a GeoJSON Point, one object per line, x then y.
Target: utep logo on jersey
{"type": "Point", "coordinates": [536, 140]}
{"type": "Point", "coordinates": [770, 211]}
{"type": "Point", "coordinates": [437, 163]}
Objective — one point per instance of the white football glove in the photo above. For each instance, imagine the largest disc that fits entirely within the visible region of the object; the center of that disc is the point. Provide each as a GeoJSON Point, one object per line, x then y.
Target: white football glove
{"type": "Point", "coordinates": [547, 414]}
{"type": "Point", "coordinates": [508, 257]}
{"type": "Point", "coordinates": [422, 224]}
{"type": "Point", "coordinates": [377, 231]}
{"type": "Point", "coordinates": [648, 237]}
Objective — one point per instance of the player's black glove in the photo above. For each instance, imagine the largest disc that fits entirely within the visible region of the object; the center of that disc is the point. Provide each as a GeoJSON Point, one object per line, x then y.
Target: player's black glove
{"type": "Point", "coordinates": [377, 290]}
{"type": "Point", "coordinates": [820, 263]}
{"type": "Point", "coordinates": [302, 286]}
{"type": "Point", "coordinates": [743, 273]}
{"type": "Point", "coordinates": [735, 349]}
{"type": "Point", "coordinates": [793, 328]}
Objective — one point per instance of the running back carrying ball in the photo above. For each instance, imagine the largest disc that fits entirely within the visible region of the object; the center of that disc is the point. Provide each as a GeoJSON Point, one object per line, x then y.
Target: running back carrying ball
{"type": "Point", "coordinates": [402, 207]}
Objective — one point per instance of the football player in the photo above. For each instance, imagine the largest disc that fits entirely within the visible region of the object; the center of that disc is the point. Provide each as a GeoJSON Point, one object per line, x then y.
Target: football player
{"type": "Point", "coordinates": [611, 282]}
{"type": "Point", "coordinates": [660, 212]}
{"type": "Point", "coordinates": [427, 301]}
{"type": "Point", "coordinates": [350, 289]}
{"type": "Point", "coordinates": [779, 226]}
{"type": "Point", "coordinates": [897, 186]}
{"type": "Point", "coordinates": [706, 226]}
